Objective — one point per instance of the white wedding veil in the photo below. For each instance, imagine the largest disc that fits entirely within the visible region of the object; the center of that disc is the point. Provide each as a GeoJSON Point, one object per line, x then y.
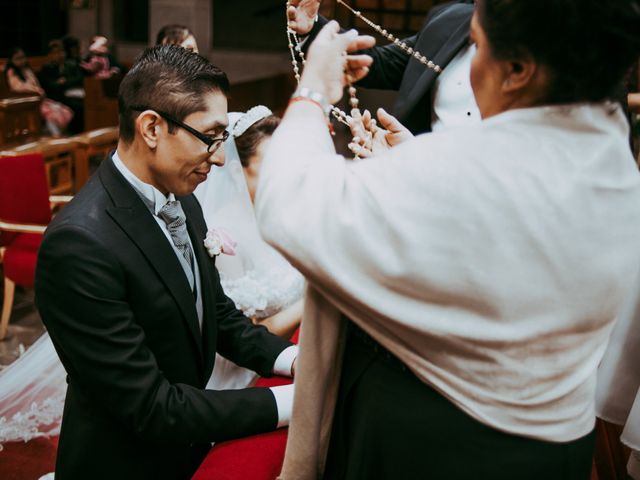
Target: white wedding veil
{"type": "Point", "coordinates": [32, 391]}
{"type": "Point", "coordinates": [258, 279]}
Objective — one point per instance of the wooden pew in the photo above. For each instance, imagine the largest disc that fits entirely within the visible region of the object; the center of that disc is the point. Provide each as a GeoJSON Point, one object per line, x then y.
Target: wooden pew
{"type": "Point", "coordinates": [60, 158]}
{"type": "Point", "coordinates": [20, 120]}
{"type": "Point", "coordinates": [100, 142]}
{"type": "Point", "coordinates": [101, 102]}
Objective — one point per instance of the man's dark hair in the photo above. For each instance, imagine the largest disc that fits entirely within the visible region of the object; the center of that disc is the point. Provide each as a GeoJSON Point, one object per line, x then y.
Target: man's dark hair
{"type": "Point", "coordinates": [170, 79]}
{"type": "Point", "coordinates": [71, 46]}
{"type": "Point", "coordinates": [587, 46]}
{"type": "Point", "coordinates": [55, 46]}
{"type": "Point", "coordinates": [12, 66]}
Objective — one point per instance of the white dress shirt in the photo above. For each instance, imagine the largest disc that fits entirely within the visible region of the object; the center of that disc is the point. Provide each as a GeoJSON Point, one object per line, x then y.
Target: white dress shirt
{"type": "Point", "coordinates": [283, 364]}
{"type": "Point", "coordinates": [453, 102]}
{"type": "Point", "coordinates": [158, 200]}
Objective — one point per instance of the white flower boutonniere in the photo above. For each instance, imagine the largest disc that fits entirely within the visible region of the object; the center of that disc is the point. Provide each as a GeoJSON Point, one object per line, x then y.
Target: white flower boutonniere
{"type": "Point", "coordinates": [219, 241]}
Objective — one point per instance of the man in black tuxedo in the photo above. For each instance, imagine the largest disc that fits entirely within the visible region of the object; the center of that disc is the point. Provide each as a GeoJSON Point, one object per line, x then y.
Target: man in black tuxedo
{"type": "Point", "coordinates": [444, 38]}
{"type": "Point", "coordinates": [133, 302]}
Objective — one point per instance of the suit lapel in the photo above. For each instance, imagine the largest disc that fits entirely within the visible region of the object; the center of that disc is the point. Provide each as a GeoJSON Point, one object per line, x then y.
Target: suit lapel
{"type": "Point", "coordinates": [419, 79]}
{"type": "Point", "coordinates": [197, 230]}
{"type": "Point", "coordinates": [134, 218]}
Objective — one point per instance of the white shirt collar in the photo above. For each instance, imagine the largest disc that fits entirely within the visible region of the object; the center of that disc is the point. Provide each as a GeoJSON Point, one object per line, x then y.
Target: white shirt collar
{"type": "Point", "coordinates": [153, 196]}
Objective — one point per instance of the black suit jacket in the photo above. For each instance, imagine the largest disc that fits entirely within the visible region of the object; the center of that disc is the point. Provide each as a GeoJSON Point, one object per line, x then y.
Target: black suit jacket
{"type": "Point", "coordinates": [444, 33]}
{"type": "Point", "coordinates": [122, 318]}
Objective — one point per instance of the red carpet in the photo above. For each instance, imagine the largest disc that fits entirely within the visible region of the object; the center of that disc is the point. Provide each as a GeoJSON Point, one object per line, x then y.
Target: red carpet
{"type": "Point", "coordinates": [258, 458]}
{"type": "Point", "coordinates": [28, 460]}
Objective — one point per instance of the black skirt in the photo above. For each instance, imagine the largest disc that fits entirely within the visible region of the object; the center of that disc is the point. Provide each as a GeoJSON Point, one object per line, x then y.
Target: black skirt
{"type": "Point", "coordinates": [390, 425]}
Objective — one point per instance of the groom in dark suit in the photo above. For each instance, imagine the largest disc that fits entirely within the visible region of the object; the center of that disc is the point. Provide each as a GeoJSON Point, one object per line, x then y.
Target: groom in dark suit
{"type": "Point", "coordinates": [443, 38]}
{"type": "Point", "coordinates": [133, 302]}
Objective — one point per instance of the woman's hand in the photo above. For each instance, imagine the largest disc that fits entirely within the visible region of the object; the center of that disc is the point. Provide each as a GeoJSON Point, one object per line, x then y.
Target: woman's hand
{"type": "Point", "coordinates": [365, 133]}
{"type": "Point", "coordinates": [369, 139]}
{"type": "Point", "coordinates": [301, 15]}
{"type": "Point", "coordinates": [396, 133]}
{"type": "Point", "coordinates": [329, 67]}
{"type": "Point", "coordinates": [285, 322]}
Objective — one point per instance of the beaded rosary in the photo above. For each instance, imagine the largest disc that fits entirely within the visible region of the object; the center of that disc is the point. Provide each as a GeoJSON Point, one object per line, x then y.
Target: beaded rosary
{"type": "Point", "coordinates": [296, 50]}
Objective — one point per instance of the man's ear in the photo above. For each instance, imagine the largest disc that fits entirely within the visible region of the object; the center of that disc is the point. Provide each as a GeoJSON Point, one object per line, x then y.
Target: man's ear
{"type": "Point", "coordinates": [148, 126]}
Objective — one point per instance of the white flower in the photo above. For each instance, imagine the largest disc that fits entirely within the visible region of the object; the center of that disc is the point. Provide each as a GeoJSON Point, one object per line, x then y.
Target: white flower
{"type": "Point", "coordinates": [219, 241]}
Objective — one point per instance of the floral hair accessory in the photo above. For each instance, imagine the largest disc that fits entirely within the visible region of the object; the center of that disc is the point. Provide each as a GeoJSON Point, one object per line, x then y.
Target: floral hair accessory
{"type": "Point", "coordinates": [252, 116]}
{"type": "Point", "coordinates": [218, 241]}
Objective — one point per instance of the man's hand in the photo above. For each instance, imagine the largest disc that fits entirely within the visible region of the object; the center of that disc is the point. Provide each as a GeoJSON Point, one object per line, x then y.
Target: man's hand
{"type": "Point", "coordinates": [301, 15]}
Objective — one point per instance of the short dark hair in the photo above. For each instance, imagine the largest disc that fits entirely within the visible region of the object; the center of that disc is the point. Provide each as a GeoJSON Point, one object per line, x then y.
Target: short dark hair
{"type": "Point", "coordinates": [71, 45]}
{"type": "Point", "coordinates": [170, 79]}
{"type": "Point", "coordinates": [587, 46]}
{"type": "Point", "coordinates": [55, 46]}
{"type": "Point", "coordinates": [12, 66]}
{"type": "Point", "coordinates": [247, 143]}
{"type": "Point", "coordinates": [173, 34]}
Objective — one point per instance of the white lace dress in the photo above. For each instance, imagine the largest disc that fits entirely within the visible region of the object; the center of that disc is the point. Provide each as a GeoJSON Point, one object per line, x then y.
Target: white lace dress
{"type": "Point", "coordinates": [258, 294]}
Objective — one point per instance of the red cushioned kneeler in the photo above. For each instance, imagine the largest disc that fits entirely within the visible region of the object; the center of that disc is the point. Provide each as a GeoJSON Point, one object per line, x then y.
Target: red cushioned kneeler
{"type": "Point", "coordinates": [258, 457]}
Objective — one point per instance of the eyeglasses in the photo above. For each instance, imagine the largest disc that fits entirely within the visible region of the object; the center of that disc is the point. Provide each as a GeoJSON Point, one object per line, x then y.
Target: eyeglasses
{"type": "Point", "coordinates": [212, 143]}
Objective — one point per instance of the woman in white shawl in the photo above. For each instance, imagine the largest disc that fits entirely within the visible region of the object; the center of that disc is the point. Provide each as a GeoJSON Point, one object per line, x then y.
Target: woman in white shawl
{"type": "Point", "coordinates": [462, 285]}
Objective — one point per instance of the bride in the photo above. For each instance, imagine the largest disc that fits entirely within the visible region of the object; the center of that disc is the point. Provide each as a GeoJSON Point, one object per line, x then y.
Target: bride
{"type": "Point", "coordinates": [261, 283]}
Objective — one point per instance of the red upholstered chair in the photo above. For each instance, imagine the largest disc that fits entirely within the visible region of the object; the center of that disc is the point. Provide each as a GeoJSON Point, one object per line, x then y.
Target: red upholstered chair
{"type": "Point", "coordinates": [25, 210]}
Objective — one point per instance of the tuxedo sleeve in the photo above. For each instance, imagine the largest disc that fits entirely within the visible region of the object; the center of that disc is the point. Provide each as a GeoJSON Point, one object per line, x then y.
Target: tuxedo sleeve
{"type": "Point", "coordinates": [250, 346]}
{"type": "Point", "coordinates": [389, 61]}
{"type": "Point", "coordinates": [82, 296]}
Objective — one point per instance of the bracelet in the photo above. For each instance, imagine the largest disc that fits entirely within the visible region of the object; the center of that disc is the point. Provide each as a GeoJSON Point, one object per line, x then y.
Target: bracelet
{"type": "Point", "coordinates": [307, 99]}
{"type": "Point", "coordinates": [315, 97]}
{"type": "Point", "coordinates": [304, 94]}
